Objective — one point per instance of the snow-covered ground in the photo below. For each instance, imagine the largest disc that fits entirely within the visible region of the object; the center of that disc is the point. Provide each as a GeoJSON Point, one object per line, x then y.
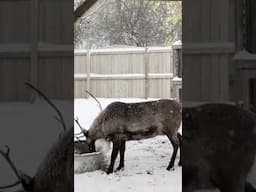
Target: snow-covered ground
{"type": "Point", "coordinates": [145, 161]}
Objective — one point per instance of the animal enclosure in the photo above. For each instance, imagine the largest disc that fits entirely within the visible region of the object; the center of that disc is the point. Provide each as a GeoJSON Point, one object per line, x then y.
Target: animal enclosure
{"type": "Point", "coordinates": [124, 72]}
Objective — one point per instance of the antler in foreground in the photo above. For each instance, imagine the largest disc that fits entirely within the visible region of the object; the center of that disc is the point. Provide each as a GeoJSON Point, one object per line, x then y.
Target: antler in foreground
{"type": "Point", "coordinates": [83, 131]}
{"type": "Point", "coordinates": [22, 178]}
{"type": "Point", "coordinates": [61, 119]}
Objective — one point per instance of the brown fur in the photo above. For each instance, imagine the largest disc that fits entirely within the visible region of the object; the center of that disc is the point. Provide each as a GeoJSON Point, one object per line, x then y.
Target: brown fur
{"type": "Point", "coordinates": [56, 171]}
{"type": "Point", "coordinates": [121, 122]}
{"type": "Point", "coordinates": [219, 146]}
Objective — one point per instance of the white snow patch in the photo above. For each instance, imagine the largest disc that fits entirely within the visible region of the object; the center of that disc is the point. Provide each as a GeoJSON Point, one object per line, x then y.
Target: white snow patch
{"type": "Point", "coordinates": [145, 170]}
{"type": "Point", "coordinates": [177, 79]}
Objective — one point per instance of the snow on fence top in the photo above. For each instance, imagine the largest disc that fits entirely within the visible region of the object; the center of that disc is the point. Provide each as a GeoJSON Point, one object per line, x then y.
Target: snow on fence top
{"type": "Point", "coordinates": [125, 76]}
{"type": "Point", "coordinates": [123, 50]}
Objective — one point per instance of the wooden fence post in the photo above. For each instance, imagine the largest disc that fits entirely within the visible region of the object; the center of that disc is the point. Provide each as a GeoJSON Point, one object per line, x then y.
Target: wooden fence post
{"type": "Point", "coordinates": [34, 47]}
{"type": "Point", "coordinates": [88, 71]}
{"type": "Point", "coordinates": [146, 66]}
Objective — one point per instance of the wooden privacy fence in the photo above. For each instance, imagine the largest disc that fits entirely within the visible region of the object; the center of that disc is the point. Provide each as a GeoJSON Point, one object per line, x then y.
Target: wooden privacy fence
{"type": "Point", "coordinates": [36, 45]}
{"type": "Point", "coordinates": [124, 72]}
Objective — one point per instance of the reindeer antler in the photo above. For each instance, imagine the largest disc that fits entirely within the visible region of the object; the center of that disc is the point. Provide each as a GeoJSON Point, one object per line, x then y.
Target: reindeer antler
{"type": "Point", "coordinates": [95, 99]}
{"type": "Point", "coordinates": [6, 155]}
{"type": "Point", "coordinates": [83, 131]}
{"type": "Point", "coordinates": [60, 119]}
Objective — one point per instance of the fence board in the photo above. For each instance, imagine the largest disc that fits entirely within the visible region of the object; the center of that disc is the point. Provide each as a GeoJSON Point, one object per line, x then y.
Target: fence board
{"type": "Point", "coordinates": [36, 38]}
{"type": "Point", "coordinates": [124, 72]}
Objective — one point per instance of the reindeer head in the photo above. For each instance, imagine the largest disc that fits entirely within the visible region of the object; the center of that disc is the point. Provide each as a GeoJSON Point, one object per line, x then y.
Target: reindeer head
{"type": "Point", "coordinates": [91, 145]}
{"type": "Point", "coordinates": [87, 133]}
{"type": "Point", "coordinates": [90, 142]}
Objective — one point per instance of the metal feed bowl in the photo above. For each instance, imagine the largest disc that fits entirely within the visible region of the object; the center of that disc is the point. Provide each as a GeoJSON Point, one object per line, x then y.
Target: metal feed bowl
{"type": "Point", "coordinates": [87, 162]}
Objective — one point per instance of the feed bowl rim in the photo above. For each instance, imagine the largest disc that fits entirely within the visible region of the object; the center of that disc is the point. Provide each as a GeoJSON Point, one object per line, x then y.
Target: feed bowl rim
{"type": "Point", "coordinates": [88, 154]}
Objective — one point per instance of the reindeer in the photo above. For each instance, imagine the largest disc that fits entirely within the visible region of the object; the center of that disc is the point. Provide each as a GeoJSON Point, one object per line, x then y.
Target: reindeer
{"type": "Point", "coordinates": [219, 147]}
{"type": "Point", "coordinates": [120, 122]}
{"type": "Point", "coordinates": [56, 171]}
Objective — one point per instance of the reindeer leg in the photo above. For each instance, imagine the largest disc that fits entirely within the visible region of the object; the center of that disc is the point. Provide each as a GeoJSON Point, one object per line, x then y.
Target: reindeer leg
{"type": "Point", "coordinates": [175, 143]}
{"type": "Point", "coordinates": [116, 146]}
{"type": "Point", "coordinates": [180, 142]}
{"type": "Point", "coordinates": [121, 150]}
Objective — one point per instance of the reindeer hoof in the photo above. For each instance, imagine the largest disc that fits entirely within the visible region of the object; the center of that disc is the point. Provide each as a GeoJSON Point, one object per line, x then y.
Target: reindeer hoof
{"type": "Point", "coordinates": [170, 167]}
{"type": "Point", "coordinates": [120, 168]}
{"type": "Point", "coordinates": [109, 171]}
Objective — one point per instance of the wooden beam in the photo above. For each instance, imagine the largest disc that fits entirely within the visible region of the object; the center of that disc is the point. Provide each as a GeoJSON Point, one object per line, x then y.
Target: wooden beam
{"type": "Point", "coordinates": [124, 51]}
{"type": "Point", "coordinates": [146, 68]}
{"type": "Point", "coordinates": [14, 50]}
{"type": "Point", "coordinates": [81, 9]}
{"type": "Point", "coordinates": [130, 76]}
{"type": "Point", "coordinates": [22, 50]}
{"type": "Point", "coordinates": [208, 48]}
{"type": "Point", "coordinates": [55, 50]}
{"type": "Point", "coordinates": [88, 71]}
{"type": "Point", "coordinates": [34, 47]}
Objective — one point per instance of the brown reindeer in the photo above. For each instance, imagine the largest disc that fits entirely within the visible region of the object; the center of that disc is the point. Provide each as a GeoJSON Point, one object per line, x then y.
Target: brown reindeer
{"type": "Point", "coordinates": [56, 171]}
{"type": "Point", "coordinates": [218, 149]}
{"type": "Point", "coordinates": [120, 122]}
